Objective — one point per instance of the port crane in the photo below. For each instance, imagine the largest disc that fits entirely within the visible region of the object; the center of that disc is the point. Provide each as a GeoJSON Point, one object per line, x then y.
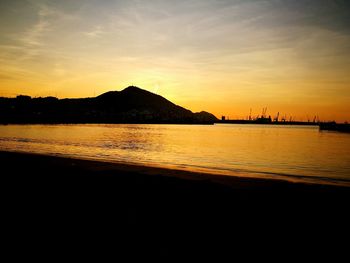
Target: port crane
{"type": "Point", "coordinates": [277, 117]}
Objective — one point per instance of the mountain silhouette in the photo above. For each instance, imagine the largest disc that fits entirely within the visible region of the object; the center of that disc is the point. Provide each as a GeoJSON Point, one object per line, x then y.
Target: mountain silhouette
{"type": "Point", "coordinates": [131, 105]}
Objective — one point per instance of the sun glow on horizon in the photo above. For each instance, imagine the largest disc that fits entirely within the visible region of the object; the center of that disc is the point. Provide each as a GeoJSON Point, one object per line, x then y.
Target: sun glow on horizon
{"type": "Point", "coordinates": [224, 57]}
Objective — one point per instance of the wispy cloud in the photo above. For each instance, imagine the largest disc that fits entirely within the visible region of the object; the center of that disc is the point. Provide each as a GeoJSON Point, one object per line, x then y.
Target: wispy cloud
{"type": "Point", "coordinates": [6, 77]}
{"type": "Point", "coordinates": [35, 40]}
{"type": "Point", "coordinates": [30, 42]}
{"type": "Point", "coordinates": [284, 48]}
{"type": "Point", "coordinates": [96, 32]}
{"type": "Point", "coordinates": [32, 37]}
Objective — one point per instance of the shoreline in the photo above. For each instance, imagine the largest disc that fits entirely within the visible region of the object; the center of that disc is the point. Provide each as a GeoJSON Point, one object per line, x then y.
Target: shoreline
{"type": "Point", "coordinates": [232, 181]}
{"type": "Point", "coordinates": [222, 177]}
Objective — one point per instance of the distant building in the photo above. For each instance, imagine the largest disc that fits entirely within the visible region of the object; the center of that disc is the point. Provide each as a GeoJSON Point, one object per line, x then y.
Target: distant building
{"type": "Point", "coordinates": [223, 118]}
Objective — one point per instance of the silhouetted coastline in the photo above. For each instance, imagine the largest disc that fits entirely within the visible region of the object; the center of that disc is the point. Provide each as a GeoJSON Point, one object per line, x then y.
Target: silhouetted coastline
{"type": "Point", "coordinates": [131, 105]}
{"type": "Point", "coordinates": [258, 121]}
{"type": "Point", "coordinates": [333, 126]}
{"type": "Point", "coordinates": [323, 126]}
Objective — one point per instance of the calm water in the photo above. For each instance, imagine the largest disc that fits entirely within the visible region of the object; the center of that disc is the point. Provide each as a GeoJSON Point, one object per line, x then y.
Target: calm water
{"type": "Point", "coordinates": [291, 152]}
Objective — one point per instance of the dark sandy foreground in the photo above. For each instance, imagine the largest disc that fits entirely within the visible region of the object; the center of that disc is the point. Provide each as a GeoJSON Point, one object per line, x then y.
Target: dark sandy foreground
{"type": "Point", "coordinates": [164, 212]}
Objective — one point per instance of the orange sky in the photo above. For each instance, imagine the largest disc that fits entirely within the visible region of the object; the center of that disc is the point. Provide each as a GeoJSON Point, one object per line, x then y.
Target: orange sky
{"type": "Point", "coordinates": [224, 57]}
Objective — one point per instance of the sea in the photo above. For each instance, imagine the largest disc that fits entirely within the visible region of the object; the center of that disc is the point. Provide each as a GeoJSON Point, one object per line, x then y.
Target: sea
{"type": "Point", "coordinates": [293, 153]}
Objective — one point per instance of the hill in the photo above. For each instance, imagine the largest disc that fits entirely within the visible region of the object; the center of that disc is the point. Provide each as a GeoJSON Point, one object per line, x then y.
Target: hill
{"type": "Point", "coordinates": [131, 105]}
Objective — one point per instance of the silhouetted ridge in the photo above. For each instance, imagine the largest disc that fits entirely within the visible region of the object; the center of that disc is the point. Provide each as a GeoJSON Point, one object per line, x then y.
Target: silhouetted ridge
{"type": "Point", "coordinates": [131, 105]}
{"type": "Point", "coordinates": [136, 99]}
{"type": "Point", "coordinates": [135, 89]}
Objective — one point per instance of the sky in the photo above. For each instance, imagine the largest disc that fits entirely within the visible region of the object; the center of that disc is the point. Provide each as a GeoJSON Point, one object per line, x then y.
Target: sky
{"type": "Point", "coordinates": [221, 56]}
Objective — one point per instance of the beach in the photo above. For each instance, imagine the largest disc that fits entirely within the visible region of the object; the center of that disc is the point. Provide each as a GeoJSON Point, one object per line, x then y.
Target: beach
{"type": "Point", "coordinates": [51, 196]}
{"type": "Point", "coordinates": [67, 179]}
{"type": "Point", "coordinates": [68, 171]}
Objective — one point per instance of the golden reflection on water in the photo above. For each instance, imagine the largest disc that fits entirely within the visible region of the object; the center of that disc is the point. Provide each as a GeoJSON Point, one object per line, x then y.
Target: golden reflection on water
{"type": "Point", "coordinates": [261, 150]}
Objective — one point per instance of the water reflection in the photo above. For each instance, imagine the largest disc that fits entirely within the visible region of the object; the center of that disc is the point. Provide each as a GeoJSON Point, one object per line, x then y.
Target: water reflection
{"type": "Point", "coordinates": [133, 138]}
{"type": "Point", "coordinates": [255, 149]}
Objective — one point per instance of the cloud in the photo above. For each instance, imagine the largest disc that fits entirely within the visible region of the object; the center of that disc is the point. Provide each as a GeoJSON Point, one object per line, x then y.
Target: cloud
{"type": "Point", "coordinates": [32, 37]}
{"type": "Point", "coordinates": [6, 77]}
{"type": "Point", "coordinates": [36, 39]}
{"type": "Point", "coordinates": [248, 44]}
{"type": "Point", "coordinates": [95, 33]}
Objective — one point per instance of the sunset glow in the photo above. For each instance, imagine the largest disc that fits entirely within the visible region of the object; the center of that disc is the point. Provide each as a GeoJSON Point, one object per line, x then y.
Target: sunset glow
{"type": "Point", "coordinates": [223, 57]}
